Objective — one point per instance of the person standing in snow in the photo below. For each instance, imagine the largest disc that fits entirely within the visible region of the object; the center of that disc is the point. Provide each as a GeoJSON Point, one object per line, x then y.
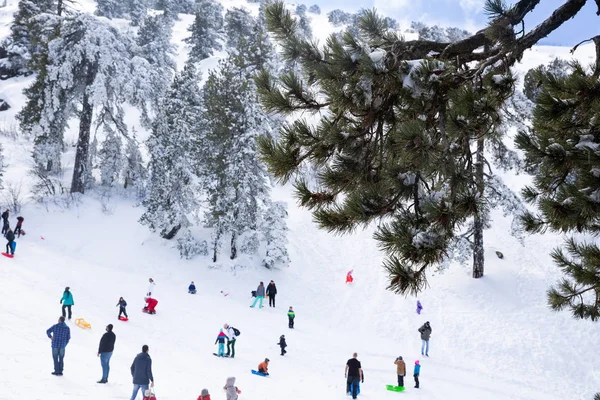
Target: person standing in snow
{"type": "Point", "coordinates": [425, 331]}
{"type": "Point", "coordinates": [19, 226]}
{"type": "Point", "coordinates": [59, 334]}
{"type": "Point", "coordinates": [204, 395]}
{"type": "Point", "coordinates": [192, 288]}
{"type": "Point", "coordinates": [105, 350]}
{"type": "Point", "coordinates": [416, 373]}
{"type": "Point", "coordinates": [291, 315]}
{"type": "Point", "coordinates": [141, 371]}
{"type": "Point", "coordinates": [10, 236]}
{"type": "Point", "coordinates": [282, 344]}
{"type": "Point", "coordinates": [5, 224]}
{"type": "Point", "coordinates": [231, 338]}
{"type": "Point", "coordinates": [271, 292]}
{"type": "Point", "coordinates": [221, 340]}
{"type": "Point", "coordinates": [353, 375]}
{"type": "Point", "coordinates": [263, 367]}
{"type": "Point", "coordinates": [150, 287]}
{"type": "Point", "coordinates": [67, 302]}
{"type": "Point", "coordinates": [401, 370]}
{"type": "Point", "coordinates": [122, 304]}
{"type": "Point", "coordinates": [231, 390]}
{"type": "Point", "coordinates": [260, 294]}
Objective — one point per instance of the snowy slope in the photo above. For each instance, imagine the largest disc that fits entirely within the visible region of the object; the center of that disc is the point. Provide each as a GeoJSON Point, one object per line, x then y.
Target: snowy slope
{"type": "Point", "coordinates": [492, 338]}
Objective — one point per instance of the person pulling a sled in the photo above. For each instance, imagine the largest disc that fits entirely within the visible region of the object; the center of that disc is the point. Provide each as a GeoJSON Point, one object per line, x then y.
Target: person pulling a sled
{"type": "Point", "coordinates": [122, 304]}
{"type": "Point", "coordinates": [150, 305]}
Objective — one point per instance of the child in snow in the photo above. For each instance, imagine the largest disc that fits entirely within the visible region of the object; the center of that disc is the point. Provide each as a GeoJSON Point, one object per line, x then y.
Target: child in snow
{"type": "Point", "coordinates": [263, 367]}
{"type": "Point", "coordinates": [416, 373]}
{"type": "Point", "coordinates": [282, 344]}
{"type": "Point", "coordinates": [67, 301]}
{"type": "Point", "coordinates": [291, 316]}
{"type": "Point", "coordinates": [400, 370]}
{"type": "Point", "coordinates": [19, 226]}
{"type": "Point", "coordinates": [204, 395]}
{"type": "Point", "coordinates": [260, 294]}
{"type": "Point", "coordinates": [419, 307]}
{"type": "Point", "coordinates": [10, 236]}
{"type": "Point", "coordinates": [122, 304]}
{"type": "Point", "coordinates": [231, 390]}
{"type": "Point", "coordinates": [150, 305]}
{"type": "Point", "coordinates": [150, 287]}
{"type": "Point", "coordinates": [221, 340]}
{"type": "Point", "coordinates": [192, 288]}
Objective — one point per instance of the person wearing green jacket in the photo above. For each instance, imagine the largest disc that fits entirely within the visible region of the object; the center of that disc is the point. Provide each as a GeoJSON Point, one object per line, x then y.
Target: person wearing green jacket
{"type": "Point", "coordinates": [67, 302]}
{"type": "Point", "coordinates": [291, 315]}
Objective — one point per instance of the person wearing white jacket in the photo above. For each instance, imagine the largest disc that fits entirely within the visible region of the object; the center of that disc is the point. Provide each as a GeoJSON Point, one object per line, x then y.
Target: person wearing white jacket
{"type": "Point", "coordinates": [231, 338]}
{"type": "Point", "coordinates": [150, 291]}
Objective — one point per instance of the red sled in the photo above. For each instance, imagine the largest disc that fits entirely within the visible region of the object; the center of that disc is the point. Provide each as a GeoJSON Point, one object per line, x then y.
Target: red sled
{"type": "Point", "coordinates": [8, 255]}
{"type": "Point", "coordinates": [149, 395]}
{"type": "Point", "coordinates": [123, 319]}
{"type": "Point", "coordinates": [148, 311]}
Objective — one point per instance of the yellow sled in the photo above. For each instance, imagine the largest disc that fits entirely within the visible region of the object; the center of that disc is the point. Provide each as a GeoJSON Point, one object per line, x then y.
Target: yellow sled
{"type": "Point", "coordinates": [80, 322]}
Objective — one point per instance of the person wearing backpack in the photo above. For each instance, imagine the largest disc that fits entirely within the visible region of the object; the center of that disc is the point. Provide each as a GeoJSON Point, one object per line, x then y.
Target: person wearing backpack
{"type": "Point", "coordinates": [232, 334]}
{"type": "Point", "coordinates": [260, 294]}
{"type": "Point", "coordinates": [67, 301]}
{"type": "Point", "coordinates": [10, 236]}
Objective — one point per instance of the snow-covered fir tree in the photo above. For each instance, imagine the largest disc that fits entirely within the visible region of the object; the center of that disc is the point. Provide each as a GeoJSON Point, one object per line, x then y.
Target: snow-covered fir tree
{"type": "Point", "coordinates": [134, 171]}
{"type": "Point", "coordinates": [239, 24]}
{"type": "Point", "coordinates": [91, 71]}
{"type": "Point", "coordinates": [110, 8]}
{"type": "Point", "coordinates": [154, 44]}
{"type": "Point", "coordinates": [303, 21]}
{"type": "Point", "coordinates": [274, 229]}
{"type": "Point", "coordinates": [27, 34]}
{"type": "Point", "coordinates": [314, 9]}
{"type": "Point", "coordinates": [206, 30]}
{"type": "Point", "coordinates": [2, 166]}
{"type": "Point", "coordinates": [239, 185]}
{"type": "Point", "coordinates": [173, 190]}
{"type": "Point", "coordinates": [136, 10]}
{"type": "Point", "coordinates": [110, 158]}
{"type": "Point", "coordinates": [189, 247]}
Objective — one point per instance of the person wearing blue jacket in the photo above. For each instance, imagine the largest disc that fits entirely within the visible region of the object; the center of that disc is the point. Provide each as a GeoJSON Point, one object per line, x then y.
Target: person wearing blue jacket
{"type": "Point", "coordinates": [122, 304]}
{"type": "Point", "coordinates": [192, 288]}
{"type": "Point", "coordinates": [416, 373]}
{"type": "Point", "coordinates": [67, 302]}
{"type": "Point", "coordinates": [59, 334]}
{"type": "Point", "coordinates": [141, 371]}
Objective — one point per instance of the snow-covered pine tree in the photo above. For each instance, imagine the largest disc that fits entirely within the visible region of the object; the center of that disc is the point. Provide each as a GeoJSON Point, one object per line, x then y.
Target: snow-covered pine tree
{"type": "Point", "coordinates": [173, 190]}
{"type": "Point", "coordinates": [154, 45]}
{"type": "Point", "coordinates": [303, 21]}
{"type": "Point", "coordinates": [111, 158]}
{"type": "Point", "coordinates": [110, 8]}
{"type": "Point", "coordinates": [274, 229]}
{"type": "Point", "coordinates": [314, 9]}
{"type": "Point", "coordinates": [562, 149]}
{"type": "Point", "coordinates": [205, 30]}
{"type": "Point", "coordinates": [233, 121]}
{"type": "Point", "coordinates": [189, 247]}
{"type": "Point", "coordinates": [137, 10]}
{"type": "Point", "coordinates": [27, 34]}
{"type": "Point", "coordinates": [2, 166]}
{"type": "Point", "coordinates": [239, 24]}
{"type": "Point", "coordinates": [134, 171]}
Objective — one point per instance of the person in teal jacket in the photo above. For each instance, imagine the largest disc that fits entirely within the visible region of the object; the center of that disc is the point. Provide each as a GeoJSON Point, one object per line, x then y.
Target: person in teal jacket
{"type": "Point", "coordinates": [416, 373]}
{"type": "Point", "coordinates": [67, 302]}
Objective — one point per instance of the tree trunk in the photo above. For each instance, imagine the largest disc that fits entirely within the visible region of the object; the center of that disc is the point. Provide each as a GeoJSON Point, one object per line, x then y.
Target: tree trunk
{"type": "Point", "coordinates": [233, 246]}
{"type": "Point", "coordinates": [83, 145]}
{"type": "Point", "coordinates": [478, 254]}
{"type": "Point", "coordinates": [170, 234]}
{"type": "Point", "coordinates": [216, 243]}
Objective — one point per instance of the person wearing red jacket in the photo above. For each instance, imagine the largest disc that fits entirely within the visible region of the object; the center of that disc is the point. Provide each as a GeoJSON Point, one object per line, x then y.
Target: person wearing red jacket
{"type": "Point", "coordinates": [19, 228]}
{"type": "Point", "coordinates": [150, 305]}
{"type": "Point", "coordinates": [204, 395]}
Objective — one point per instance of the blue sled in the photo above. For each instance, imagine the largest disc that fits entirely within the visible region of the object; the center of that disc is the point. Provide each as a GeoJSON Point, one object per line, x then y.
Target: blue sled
{"type": "Point", "coordinates": [258, 373]}
{"type": "Point", "coordinates": [357, 388]}
{"type": "Point", "coordinates": [14, 246]}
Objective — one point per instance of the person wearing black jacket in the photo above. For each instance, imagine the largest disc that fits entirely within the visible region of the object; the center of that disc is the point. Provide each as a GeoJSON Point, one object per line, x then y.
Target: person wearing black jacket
{"type": "Point", "coordinates": [10, 236]}
{"type": "Point", "coordinates": [105, 350]}
{"type": "Point", "coordinates": [5, 224]}
{"type": "Point", "coordinates": [282, 344]}
{"type": "Point", "coordinates": [271, 292]}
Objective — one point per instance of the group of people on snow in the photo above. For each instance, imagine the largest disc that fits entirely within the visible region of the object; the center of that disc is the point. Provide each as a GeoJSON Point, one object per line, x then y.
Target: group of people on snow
{"type": "Point", "coordinates": [9, 234]}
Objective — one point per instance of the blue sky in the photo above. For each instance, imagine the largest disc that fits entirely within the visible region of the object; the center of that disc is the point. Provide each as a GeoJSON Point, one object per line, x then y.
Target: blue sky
{"type": "Point", "coordinates": [468, 14]}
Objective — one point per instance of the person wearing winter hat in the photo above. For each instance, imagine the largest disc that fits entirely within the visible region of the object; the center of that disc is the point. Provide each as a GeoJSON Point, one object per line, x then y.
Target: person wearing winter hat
{"type": "Point", "coordinates": [204, 395]}
{"type": "Point", "coordinates": [67, 302]}
{"type": "Point", "coordinates": [425, 332]}
{"type": "Point", "coordinates": [416, 373]}
{"type": "Point", "coordinates": [400, 370]}
{"type": "Point", "coordinates": [221, 340]}
{"type": "Point", "coordinates": [282, 344]}
{"type": "Point", "coordinates": [231, 390]}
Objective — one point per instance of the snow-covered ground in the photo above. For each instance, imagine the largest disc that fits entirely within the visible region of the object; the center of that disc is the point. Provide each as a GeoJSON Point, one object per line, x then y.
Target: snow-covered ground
{"type": "Point", "coordinates": [493, 338]}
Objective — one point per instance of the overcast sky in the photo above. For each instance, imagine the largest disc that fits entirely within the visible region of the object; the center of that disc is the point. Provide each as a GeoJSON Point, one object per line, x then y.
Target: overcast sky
{"type": "Point", "coordinates": [467, 14]}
